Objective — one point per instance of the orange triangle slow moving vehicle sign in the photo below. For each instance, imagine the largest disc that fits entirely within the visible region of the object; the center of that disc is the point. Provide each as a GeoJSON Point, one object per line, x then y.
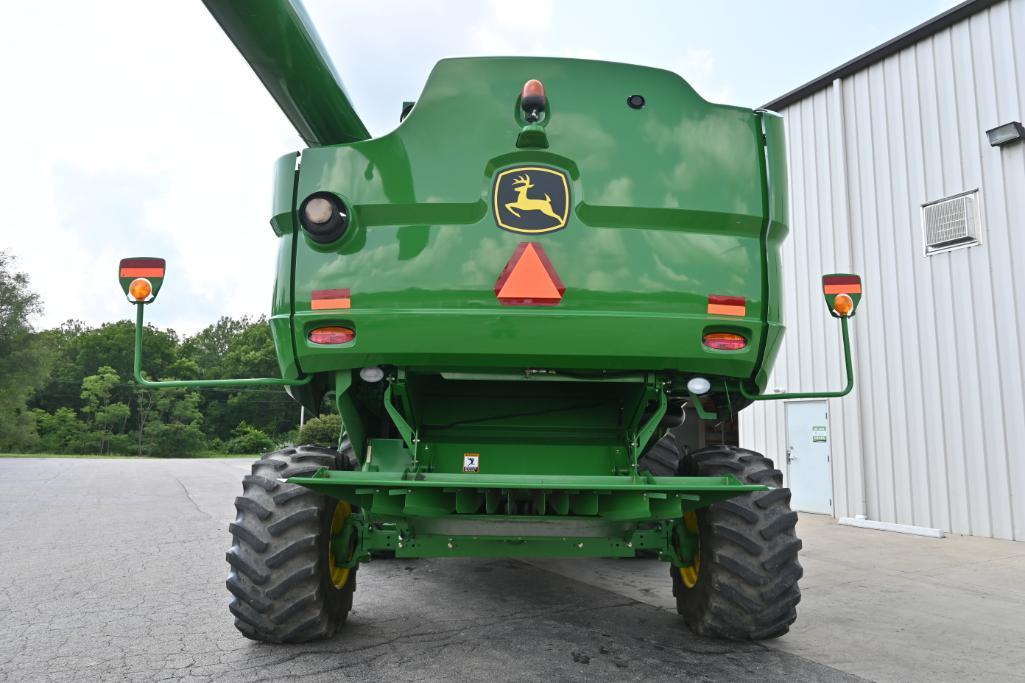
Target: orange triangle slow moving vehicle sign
{"type": "Point", "coordinates": [529, 279]}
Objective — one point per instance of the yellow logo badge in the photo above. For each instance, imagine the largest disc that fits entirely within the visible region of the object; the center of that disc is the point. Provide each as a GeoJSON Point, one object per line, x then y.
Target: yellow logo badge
{"type": "Point", "coordinates": [531, 199]}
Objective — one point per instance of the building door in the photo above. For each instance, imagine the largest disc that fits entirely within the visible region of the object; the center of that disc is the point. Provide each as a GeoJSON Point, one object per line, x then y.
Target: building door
{"type": "Point", "coordinates": [809, 470]}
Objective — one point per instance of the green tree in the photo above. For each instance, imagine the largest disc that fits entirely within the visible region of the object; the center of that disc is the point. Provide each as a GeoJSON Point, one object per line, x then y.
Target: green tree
{"type": "Point", "coordinates": [113, 344]}
{"type": "Point", "coordinates": [104, 411]}
{"type": "Point", "coordinates": [145, 404]}
{"type": "Point", "coordinates": [323, 430]}
{"type": "Point", "coordinates": [209, 347]}
{"type": "Point", "coordinates": [174, 425]}
{"type": "Point", "coordinates": [247, 439]}
{"type": "Point", "coordinates": [109, 418]}
{"type": "Point", "coordinates": [240, 347]}
{"type": "Point", "coordinates": [63, 386]}
{"type": "Point", "coordinates": [60, 431]}
{"type": "Point", "coordinates": [81, 351]}
{"type": "Point", "coordinates": [24, 357]}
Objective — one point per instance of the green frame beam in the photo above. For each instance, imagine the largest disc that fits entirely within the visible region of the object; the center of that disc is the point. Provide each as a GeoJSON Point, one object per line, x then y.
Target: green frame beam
{"type": "Point", "coordinates": [406, 541]}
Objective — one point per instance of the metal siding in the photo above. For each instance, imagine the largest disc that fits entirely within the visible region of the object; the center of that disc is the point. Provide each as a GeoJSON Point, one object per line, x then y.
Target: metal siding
{"type": "Point", "coordinates": [847, 463]}
{"type": "Point", "coordinates": [931, 434]}
{"type": "Point", "coordinates": [1007, 23]}
{"type": "Point", "coordinates": [926, 166]}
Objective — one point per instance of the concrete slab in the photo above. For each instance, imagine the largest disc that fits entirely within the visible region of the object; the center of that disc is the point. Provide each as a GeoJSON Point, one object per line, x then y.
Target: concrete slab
{"type": "Point", "coordinates": [880, 605]}
{"type": "Point", "coordinates": [114, 570]}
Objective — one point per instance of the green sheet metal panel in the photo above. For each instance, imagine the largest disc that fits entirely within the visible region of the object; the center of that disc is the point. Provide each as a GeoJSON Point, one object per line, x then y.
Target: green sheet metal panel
{"type": "Point", "coordinates": [668, 208]}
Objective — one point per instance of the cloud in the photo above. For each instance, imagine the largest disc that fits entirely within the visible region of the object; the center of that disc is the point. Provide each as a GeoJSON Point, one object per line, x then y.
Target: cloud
{"type": "Point", "coordinates": [698, 67]}
{"type": "Point", "coordinates": [135, 141]}
{"type": "Point", "coordinates": [512, 28]}
{"type": "Point", "coordinates": [532, 17]}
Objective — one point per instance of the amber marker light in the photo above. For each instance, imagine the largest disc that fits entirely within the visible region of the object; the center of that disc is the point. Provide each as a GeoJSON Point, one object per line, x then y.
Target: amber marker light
{"type": "Point", "coordinates": [533, 88]}
{"type": "Point", "coordinates": [843, 304]}
{"type": "Point", "coordinates": [724, 341]}
{"type": "Point", "coordinates": [140, 289]}
{"type": "Point", "coordinates": [332, 335]}
{"type": "Point", "coordinates": [533, 100]}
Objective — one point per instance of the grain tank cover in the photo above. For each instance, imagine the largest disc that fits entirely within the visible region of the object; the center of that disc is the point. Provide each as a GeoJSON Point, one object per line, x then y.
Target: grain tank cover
{"type": "Point", "coordinates": [677, 152]}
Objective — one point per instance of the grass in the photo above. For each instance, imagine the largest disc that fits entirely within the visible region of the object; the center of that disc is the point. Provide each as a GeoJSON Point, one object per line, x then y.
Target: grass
{"type": "Point", "coordinates": [207, 456]}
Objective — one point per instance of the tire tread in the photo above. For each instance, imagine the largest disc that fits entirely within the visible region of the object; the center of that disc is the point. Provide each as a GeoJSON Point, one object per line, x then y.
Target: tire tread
{"type": "Point", "coordinates": [748, 584]}
{"type": "Point", "coordinates": [278, 560]}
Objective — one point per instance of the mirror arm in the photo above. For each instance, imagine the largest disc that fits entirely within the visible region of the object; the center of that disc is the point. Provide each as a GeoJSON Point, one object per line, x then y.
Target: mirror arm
{"type": "Point", "coordinates": [200, 383]}
{"type": "Point", "coordinates": [816, 394]}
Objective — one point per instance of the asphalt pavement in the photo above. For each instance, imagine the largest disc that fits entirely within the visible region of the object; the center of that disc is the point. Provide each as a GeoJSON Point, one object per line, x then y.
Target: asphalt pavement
{"type": "Point", "coordinates": [114, 570]}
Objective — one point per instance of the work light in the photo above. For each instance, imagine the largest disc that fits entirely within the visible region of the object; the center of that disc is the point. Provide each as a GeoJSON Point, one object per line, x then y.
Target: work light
{"type": "Point", "coordinates": [1009, 132]}
{"type": "Point", "coordinates": [318, 210]}
{"type": "Point", "coordinates": [324, 217]}
{"type": "Point", "coordinates": [699, 386]}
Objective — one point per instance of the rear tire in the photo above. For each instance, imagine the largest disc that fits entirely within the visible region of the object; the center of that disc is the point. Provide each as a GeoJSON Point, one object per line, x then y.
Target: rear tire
{"type": "Point", "coordinates": [281, 581]}
{"type": "Point", "coordinates": [662, 459]}
{"type": "Point", "coordinates": [746, 579]}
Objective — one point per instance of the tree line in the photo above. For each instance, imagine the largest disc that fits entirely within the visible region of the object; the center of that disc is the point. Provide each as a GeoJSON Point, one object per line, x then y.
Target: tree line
{"type": "Point", "coordinates": [70, 389]}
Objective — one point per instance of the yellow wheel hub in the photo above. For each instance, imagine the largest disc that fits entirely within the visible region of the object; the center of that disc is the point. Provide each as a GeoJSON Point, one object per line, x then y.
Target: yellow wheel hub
{"type": "Point", "coordinates": [689, 574]}
{"type": "Point", "coordinates": [339, 575]}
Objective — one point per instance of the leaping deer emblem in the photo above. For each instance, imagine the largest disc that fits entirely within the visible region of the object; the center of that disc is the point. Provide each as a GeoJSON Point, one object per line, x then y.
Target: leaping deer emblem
{"type": "Point", "coordinates": [525, 203]}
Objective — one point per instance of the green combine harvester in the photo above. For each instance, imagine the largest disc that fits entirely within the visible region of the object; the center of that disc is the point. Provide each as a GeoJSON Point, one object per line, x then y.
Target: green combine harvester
{"type": "Point", "coordinates": [513, 298]}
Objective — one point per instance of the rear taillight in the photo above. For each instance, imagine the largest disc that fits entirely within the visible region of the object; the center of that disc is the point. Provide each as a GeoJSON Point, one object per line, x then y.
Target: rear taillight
{"type": "Point", "coordinates": [332, 335]}
{"type": "Point", "coordinates": [724, 341]}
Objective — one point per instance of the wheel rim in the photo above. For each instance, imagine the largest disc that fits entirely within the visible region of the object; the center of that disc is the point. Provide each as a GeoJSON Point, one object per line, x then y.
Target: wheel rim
{"type": "Point", "coordinates": [339, 575]}
{"type": "Point", "coordinates": [689, 574]}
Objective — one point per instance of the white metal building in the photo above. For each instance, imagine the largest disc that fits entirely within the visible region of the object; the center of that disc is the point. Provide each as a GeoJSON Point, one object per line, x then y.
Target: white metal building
{"type": "Point", "coordinates": [934, 432]}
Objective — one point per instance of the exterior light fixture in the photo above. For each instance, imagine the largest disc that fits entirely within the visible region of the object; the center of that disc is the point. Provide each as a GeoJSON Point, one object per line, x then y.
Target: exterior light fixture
{"type": "Point", "coordinates": [843, 304]}
{"type": "Point", "coordinates": [1007, 133]}
{"type": "Point", "coordinates": [324, 217]}
{"type": "Point", "coordinates": [699, 386]}
{"type": "Point", "coordinates": [141, 289]}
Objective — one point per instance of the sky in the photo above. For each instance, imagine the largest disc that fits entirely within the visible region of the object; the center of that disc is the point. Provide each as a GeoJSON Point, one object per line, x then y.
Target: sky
{"type": "Point", "coordinates": [134, 128]}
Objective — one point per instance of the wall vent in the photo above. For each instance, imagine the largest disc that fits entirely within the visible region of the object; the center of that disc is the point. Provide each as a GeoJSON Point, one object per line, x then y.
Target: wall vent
{"type": "Point", "coordinates": [951, 223]}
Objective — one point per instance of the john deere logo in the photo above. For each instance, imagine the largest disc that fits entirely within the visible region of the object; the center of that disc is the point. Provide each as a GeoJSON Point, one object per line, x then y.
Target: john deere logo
{"type": "Point", "coordinates": [531, 199]}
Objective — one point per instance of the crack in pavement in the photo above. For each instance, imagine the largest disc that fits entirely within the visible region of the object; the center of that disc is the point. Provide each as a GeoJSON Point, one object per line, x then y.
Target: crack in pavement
{"type": "Point", "coordinates": [191, 499]}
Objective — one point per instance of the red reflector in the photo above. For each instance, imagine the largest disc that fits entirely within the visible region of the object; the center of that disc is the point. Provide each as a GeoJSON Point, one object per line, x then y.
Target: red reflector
{"type": "Point", "coordinates": [332, 335]}
{"type": "Point", "coordinates": [529, 279]}
{"type": "Point", "coordinates": [141, 272]}
{"type": "Point", "coordinates": [726, 305]}
{"type": "Point", "coordinates": [321, 299]}
{"type": "Point", "coordinates": [841, 286]}
{"type": "Point", "coordinates": [724, 341]}
{"type": "Point", "coordinates": [141, 267]}
{"type": "Point", "coordinates": [841, 279]}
